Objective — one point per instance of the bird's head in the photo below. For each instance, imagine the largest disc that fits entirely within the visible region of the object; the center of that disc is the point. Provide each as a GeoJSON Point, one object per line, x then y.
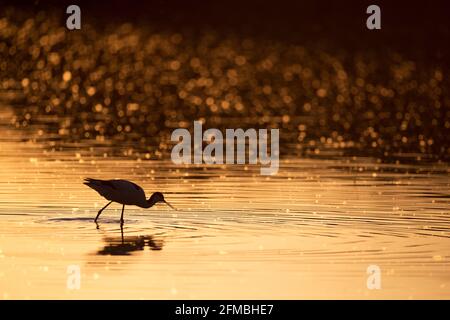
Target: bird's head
{"type": "Point", "coordinates": [158, 197]}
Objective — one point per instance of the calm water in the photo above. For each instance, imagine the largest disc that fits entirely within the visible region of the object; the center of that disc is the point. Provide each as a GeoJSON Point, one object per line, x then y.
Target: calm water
{"type": "Point", "coordinates": [309, 232]}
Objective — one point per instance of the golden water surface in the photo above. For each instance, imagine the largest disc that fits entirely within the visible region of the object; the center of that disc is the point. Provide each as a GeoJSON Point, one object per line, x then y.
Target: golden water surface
{"type": "Point", "coordinates": [311, 231]}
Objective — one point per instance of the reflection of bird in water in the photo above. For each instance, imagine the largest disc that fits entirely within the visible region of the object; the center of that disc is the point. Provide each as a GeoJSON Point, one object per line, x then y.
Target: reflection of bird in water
{"type": "Point", "coordinates": [124, 192]}
{"type": "Point", "coordinates": [122, 246]}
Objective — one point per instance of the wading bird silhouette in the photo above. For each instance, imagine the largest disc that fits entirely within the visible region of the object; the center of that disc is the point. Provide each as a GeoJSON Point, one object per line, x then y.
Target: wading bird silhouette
{"type": "Point", "coordinates": [124, 192]}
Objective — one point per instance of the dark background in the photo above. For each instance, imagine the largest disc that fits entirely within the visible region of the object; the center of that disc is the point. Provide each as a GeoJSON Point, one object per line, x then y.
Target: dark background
{"type": "Point", "coordinates": [409, 55]}
{"type": "Point", "coordinates": [406, 25]}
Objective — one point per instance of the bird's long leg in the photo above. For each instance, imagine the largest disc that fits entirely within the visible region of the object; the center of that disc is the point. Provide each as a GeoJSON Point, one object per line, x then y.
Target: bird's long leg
{"type": "Point", "coordinates": [121, 217]}
{"type": "Point", "coordinates": [100, 211]}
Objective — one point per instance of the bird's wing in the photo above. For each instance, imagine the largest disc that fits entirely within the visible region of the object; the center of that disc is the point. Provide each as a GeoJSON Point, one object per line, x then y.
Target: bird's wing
{"type": "Point", "coordinates": [104, 187]}
{"type": "Point", "coordinates": [125, 185]}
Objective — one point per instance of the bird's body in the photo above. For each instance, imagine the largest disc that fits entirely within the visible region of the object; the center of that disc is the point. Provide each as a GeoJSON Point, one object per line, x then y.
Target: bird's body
{"type": "Point", "coordinates": [121, 191]}
{"type": "Point", "coordinates": [124, 192]}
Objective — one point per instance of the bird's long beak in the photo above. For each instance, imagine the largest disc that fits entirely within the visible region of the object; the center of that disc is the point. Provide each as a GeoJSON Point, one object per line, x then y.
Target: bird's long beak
{"type": "Point", "coordinates": [169, 205]}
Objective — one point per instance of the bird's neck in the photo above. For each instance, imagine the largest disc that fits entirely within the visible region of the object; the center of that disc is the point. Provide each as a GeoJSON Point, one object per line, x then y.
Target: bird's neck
{"type": "Point", "coordinates": [150, 203]}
